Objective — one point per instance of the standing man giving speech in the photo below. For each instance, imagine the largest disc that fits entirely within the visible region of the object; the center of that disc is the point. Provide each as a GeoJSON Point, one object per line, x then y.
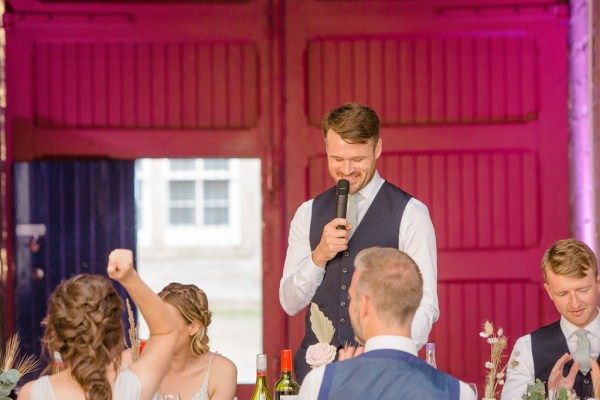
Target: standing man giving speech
{"type": "Point", "coordinates": [320, 257]}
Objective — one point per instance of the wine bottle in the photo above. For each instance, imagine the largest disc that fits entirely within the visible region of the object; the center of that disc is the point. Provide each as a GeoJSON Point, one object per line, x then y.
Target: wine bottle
{"type": "Point", "coordinates": [286, 387]}
{"type": "Point", "coordinates": [430, 354]}
{"type": "Point", "coordinates": [57, 364]}
{"type": "Point", "coordinates": [261, 388]}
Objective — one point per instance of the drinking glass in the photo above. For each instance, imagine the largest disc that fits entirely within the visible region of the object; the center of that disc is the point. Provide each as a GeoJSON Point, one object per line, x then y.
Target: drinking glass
{"type": "Point", "coordinates": [473, 387]}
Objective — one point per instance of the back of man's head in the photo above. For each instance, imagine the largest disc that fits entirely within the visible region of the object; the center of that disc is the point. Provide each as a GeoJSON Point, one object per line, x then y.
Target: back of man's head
{"type": "Point", "coordinates": [571, 258]}
{"type": "Point", "coordinates": [393, 282]}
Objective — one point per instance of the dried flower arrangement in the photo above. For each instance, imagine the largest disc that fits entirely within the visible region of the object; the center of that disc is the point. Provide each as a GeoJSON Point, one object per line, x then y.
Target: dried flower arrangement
{"type": "Point", "coordinates": [13, 366]}
{"type": "Point", "coordinates": [134, 340]}
{"type": "Point", "coordinates": [495, 370]}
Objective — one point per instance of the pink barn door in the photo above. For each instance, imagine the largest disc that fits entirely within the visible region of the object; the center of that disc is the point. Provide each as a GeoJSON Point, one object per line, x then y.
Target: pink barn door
{"type": "Point", "coordinates": [474, 123]}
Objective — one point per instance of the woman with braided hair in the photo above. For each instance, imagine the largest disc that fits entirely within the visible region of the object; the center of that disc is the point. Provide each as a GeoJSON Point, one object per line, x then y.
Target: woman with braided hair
{"type": "Point", "coordinates": [84, 325]}
{"type": "Point", "coordinates": [196, 373]}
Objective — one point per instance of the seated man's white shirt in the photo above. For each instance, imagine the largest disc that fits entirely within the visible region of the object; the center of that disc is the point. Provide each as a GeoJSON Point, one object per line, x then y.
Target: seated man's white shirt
{"type": "Point", "coordinates": [521, 370]}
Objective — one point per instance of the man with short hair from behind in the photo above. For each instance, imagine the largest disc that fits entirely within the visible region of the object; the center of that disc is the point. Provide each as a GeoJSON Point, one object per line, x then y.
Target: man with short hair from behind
{"type": "Point", "coordinates": [384, 294]}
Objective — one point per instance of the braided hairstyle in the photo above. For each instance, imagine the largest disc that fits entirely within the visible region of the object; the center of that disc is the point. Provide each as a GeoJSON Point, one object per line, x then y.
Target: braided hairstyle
{"type": "Point", "coordinates": [84, 325]}
{"type": "Point", "coordinates": [193, 306]}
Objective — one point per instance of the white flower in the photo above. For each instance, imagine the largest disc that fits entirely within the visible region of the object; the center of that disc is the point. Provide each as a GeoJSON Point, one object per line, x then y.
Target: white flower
{"type": "Point", "coordinates": [489, 365]}
{"type": "Point", "coordinates": [500, 331]}
{"type": "Point", "coordinates": [320, 354]}
{"type": "Point", "coordinates": [493, 340]}
{"type": "Point", "coordinates": [483, 334]}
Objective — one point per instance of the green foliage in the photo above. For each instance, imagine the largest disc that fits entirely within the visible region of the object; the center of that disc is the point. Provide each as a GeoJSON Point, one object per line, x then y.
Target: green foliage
{"type": "Point", "coordinates": [535, 391]}
{"type": "Point", "coordinates": [8, 381]}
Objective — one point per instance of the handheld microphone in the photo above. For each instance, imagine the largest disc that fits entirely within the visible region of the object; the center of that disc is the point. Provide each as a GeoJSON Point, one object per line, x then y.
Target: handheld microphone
{"type": "Point", "coordinates": [342, 190]}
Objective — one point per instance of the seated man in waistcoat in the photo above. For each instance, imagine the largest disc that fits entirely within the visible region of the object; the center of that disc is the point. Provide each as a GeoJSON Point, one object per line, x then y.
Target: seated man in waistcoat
{"type": "Point", "coordinates": [384, 295]}
{"type": "Point", "coordinates": [559, 354]}
{"type": "Point", "coordinates": [320, 258]}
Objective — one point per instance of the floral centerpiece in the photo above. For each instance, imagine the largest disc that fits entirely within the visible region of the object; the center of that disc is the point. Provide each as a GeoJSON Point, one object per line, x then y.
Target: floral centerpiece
{"type": "Point", "coordinates": [495, 370]}
{"type": "Point", "coordinates": [323, 352]}
{"type": "Point", "coordinates": [13, 366]}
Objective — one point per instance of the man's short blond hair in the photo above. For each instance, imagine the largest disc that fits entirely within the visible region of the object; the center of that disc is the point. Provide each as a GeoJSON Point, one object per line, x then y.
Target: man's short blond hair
{"type": "Point", "coordinates": [393, 282]}
{"type": "Point", "coordinates": [571, 258]}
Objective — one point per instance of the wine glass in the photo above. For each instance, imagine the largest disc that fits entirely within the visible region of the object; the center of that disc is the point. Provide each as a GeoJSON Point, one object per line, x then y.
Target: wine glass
{"type": "Point", "coordinates": [169, 396]}
{"type": "Point", "coordinates": [473, 387]}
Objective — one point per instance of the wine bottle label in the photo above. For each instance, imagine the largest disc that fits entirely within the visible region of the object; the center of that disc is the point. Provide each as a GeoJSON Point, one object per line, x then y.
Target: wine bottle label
{"type": "Point", "coordinates": [288, 397]}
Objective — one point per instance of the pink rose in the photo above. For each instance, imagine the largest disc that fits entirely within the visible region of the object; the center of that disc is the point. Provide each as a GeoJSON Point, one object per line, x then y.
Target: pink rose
{"type": "Point", "coordinates": [320, 354]}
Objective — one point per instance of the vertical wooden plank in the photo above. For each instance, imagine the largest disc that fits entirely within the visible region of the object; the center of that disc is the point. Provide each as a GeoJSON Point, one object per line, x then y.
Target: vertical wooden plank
{"type": "Point", "coordinates": [344, 81]}
{"type": "Point", "coordinates": [482, 82]}
{"type": "Point", "coordinates": [235, 106]}
{"type": "Point", "coordinates": [189, 75]}
{"type": "Point", "coordinates": [219, 86]}
{"type": "Point", "coordinates": [143, 85]}
{"type": "Point", "coordinates": [422, 71]}
{"type": "Point", "coordinates": [85, 85]}
{"type": "Point", "coordinates": [173, 84]}
{"type": "Point", "coordinates": [469, 222]}
{"type": "Point", "coordinates": [438, 91]}
{"type": "Point", "coordinates": [484, 201]}
{"type": "Point", "coordinates": [529, 59]}
{"type": "Point", "coordinates": [56, 113]}
{"type": "Point", "coordinates": [250, 85]}
{"type": "Point", "coordinates": [129, 85]}
{"type": "Point", "coordinates": [499, 192]}
{"type": "Point", "coordinates": [42, 63]}
{"type": "Point", "coordinates": [114, 82]}
{"type": "Point", "coordinates": [452, 79]}
{"type": "Point", "coordinates": [375, 68]}
{"type": "Point", "coordinates": [515, 204]}
{"type": "Point", "coordinates": [514, 78]}
{"type": "Point", "coordinates": [407, 84]}
{"type": "Point", "coordinates": [390, 93]}
{"type": "Point", "coordinates": [467, 92]}
{"type": "Point", "coordinates": [498, 81]}
{"type": "Point", "coordinates": [70, 89]}
{"type": "Point", "coordinates": [360, 71]}
{"type": "Point", "coordinates": [454, 206]}
{"type": "Point", "coordinates": [158, 74]}
{"type": "Point", "coordinates": [531, 210]}
{"type": "Point", "coordinates": [100, 95]}
{"type": "Point", "coordinates": [328, 90]}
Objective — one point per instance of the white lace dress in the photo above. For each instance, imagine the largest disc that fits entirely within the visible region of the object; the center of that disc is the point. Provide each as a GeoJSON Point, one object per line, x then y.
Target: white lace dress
{"type": "Point", "coordinates": [127, 387]}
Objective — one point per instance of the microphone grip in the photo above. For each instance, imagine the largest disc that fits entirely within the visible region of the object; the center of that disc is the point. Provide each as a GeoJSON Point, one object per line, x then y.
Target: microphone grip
{"type": "Point", "coordinates": [340, 210]}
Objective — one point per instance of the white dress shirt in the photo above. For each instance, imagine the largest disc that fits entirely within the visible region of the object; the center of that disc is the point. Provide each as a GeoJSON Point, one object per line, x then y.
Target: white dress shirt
{"type": "Point", "coordinates": [301, 277]}
{"type": "Point", "coordinates": [521, 371]}
{"type": "Point", "coordinates": [312, 382]}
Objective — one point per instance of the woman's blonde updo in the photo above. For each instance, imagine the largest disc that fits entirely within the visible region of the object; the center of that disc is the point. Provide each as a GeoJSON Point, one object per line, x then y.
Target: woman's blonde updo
{"type": "Point", "coordinates": [193, 306]}
{"type": "Point", "coordinates": [84, 325]}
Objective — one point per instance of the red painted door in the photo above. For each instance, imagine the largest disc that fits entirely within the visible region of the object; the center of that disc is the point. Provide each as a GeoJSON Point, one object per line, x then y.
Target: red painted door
{"type": "Point", "coordinates": [474, 123]}
{"type": "Point", "coordinates": [129, 80]}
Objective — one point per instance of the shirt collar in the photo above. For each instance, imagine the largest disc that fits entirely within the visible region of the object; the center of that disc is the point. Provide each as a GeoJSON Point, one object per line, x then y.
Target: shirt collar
{"type": "Point", "coordinates": [370, 190]}
{"type": "Point", "coordinates": [394, 342]}
{"type": "Point", "coordinates": [568, 328]}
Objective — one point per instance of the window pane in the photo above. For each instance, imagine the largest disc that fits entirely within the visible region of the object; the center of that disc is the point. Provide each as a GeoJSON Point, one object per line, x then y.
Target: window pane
{"type": "Point", "coordinates": [182, 164]}
{"type": "Point", "coordinates": [182, 216]}
{"type": "Point", "coordinates": [182, 190]}
{"type": "Point", "coordinates": [216, 164]}
{"type": "Point", "coordinates": [216, 216]}
{"type": "Point", "coordinates": [216, 190]}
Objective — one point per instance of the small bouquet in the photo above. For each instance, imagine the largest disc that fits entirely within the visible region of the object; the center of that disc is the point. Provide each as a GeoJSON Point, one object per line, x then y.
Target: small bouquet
{"type": "Point", "coordinates": [13, 366]}
{"type": "Point", "coordinates": [321, 353]}
{"type": "Point", "coordinates": [495, 373]}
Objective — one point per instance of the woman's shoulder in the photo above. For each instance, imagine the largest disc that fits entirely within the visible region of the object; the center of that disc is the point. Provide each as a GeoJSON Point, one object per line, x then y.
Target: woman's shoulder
{"type": "Point", "coordinates": [222, 366]}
